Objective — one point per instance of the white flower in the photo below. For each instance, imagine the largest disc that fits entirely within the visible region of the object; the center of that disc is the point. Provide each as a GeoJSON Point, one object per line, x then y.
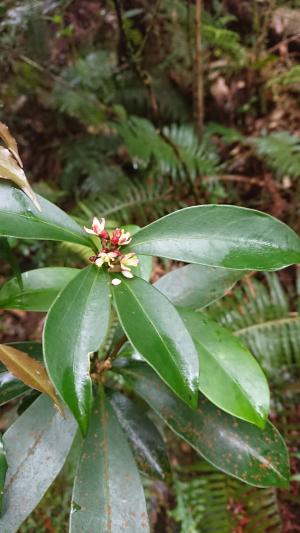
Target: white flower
{"type": "Point", "coordinates": [125, 238]}
{"type": "Point", "coordinates": [127, 274]}
{"type": "Point", "coordinates": [106, 257]}
{"type": "Point", "coordinates": [97, 227]}
{"type": "Point", "coordinates": [120, 237]}
{"type": "Point", "coordinates": [127, 261]}
{"type": "Point", "coordinates": [116, 281]}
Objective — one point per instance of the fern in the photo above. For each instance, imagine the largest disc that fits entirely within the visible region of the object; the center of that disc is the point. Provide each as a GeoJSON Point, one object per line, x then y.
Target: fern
{"type": "Point", "coordinates": [260, 316]}
{"type": "Point", "coordinates": [222, 40]}
{"type": "Point", "coordinates": [82, 88]}
{"type": "Point", "coordinates": [286, 79]}
{"type": "Point", "coordinates": [171, 104]}
{"type": "Point", "coordinates": [135, 201]}
{"type": "Point", "coordinates": [228, 135]}
{"type": "Point", "coordinates": [281, 151]}
{"type": "Point", "coordinates": [89, 161]}
{"type": "Point", "coordinates": [212, 502]}
{"type": "Point", "coordinates": [175, 153]}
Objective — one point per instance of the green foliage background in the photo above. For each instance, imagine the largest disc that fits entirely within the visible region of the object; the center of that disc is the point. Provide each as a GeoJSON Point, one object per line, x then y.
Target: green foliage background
{"type": "Point", "coordinates": [100, 96]}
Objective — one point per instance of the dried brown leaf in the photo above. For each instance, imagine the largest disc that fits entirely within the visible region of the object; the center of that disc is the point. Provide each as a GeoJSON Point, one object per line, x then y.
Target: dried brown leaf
{"type": "Point", "coordinates": [28, 370]}
{"type": "Point", "coordinates": [10, 143]}
{"type": "Point", "coordinates": [11, 167]}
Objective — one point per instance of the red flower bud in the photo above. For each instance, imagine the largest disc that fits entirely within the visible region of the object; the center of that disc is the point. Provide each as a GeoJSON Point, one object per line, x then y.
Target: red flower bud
{"type": "Point", "coordinates": [116, 236]}
{"type": "Point", "coordinates": [104, 235]}
{"type": "Point", "coordinates": [93, 258]}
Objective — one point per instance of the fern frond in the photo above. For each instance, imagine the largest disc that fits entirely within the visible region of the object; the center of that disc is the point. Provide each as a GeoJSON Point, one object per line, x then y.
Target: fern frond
{"type": "Point", "coordinates": [211, 502]}
{"type": "Point", "coordinates": [286, 78]}
{"type": "Point", "coordinates": [82, 86]}
{"type": "Point", "coordinates": [259, 315]}
{"type": "Point", "coordinates": [87, 161]}
{"type": "Point", "coordinates": [175, 153]}
{"type": "Point", "coordinates": [281, 151]}
{"type": "Point", "coordinates": [222, 40]}
{"type": "Point", "coordinates": [228, 135]}
{"type": "Point", "coordinates": [76, 250]}
{"type": "Point", "coordinates": [137, 201]}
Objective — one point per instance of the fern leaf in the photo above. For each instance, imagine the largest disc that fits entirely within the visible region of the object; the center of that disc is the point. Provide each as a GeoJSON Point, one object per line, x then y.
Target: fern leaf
{"type": "Point", "coordinates": [281, 151]}
{"type": "Point", "coordinates": [260, 316]}
{"type": "Point", "coordinates": [208, 501]}
{"type": "Point", "coordinates": [137, 201]}
{"type": "Point", "coordinates": [175, 153]}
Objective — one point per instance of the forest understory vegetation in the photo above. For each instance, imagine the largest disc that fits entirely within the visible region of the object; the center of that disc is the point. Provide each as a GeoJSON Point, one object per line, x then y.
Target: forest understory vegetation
{"type": "Point", "coordinates": [129, 110]}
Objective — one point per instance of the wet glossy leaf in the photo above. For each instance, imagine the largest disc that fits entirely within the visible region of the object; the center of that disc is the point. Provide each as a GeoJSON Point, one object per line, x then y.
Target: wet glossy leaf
{"type": "Point", "coordinates": [28, 370]}
{"type": "Point", "coordinates": [107, 494]}
{"type": "Point", "coordinates": [146, 442]}
{"type": "Point", "coordinates": [157, 332]}
{"type": "Point", "coordinates": [7, 255]}
{"type": "Point", "coordinates": [220, 236]}
{"type": "Point", "coordinates": [34, 349]}
{"type": "Point", "coordinates": [37, 445]}
{"type": "Point", "coordinates": [257, 457]}
{"type": "Point", "coordinates": [40, 288]}
{"type": "Point", "coordinates": [144, 268]}
{"type": "Point", "coordinates": [11, 387]}
{"type": "Point", "coordinates": [75, 327]}
{"type": "Point", "coordinates": [230, 376]}
{"type": "Point", "coordinates": [20, 218]}
{"type": "Point", "coordinates": [197, 286]}
{"type": "Point", "coordinates": [3, 470]}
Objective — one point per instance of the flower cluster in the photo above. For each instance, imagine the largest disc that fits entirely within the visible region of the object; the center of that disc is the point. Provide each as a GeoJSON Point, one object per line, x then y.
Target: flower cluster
{"type": "Point", "coordinates": [110, 253]}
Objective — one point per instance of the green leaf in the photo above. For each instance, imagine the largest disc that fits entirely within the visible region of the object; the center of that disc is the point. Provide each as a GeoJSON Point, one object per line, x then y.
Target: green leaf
{"type": "Point", "coordinates": [230, 376]}
{"type": "Point", "coordinates": [3, 470]}
{"type": "Point", "coordinates": [157, 332]}
{"type": "Point", "coordinates": [220, 236]}
{"type": "Point", "coordinates": [107, 494]}
{"type": "Point", "coordinates": [75, 327]}
{"type": "Point", "coordinates": [10, 387]}
{"type": "Point", "coordinates": [257, 457]}
{"type": "Point", "coordinates": [20, 218]}
{"type": "Point", "coordinates": [7, 255]}
{"type": "Point", "coordinates": [146, 442]}
{"type": "Point", "coordinates": [196, 286]}
{"type": "Point", "coordinates": [40, 288]}
{"type": "Point", "coordinates": [37, 445]}
{"type": "Point", "coordinates": [144, 268]}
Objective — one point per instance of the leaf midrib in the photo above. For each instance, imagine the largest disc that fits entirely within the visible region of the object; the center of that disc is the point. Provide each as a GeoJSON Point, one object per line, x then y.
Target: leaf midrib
{"type": "Point", "coordinates": [158, 333]}
{"type": "Point", "coordinates": [266, 324]}
{"type": "Point", "coordinates": [41, 221]}
{"type": "Point", "coordinates": [23, 368]}
{"type": "Point", "coordinates": [207, 237]}
{"type": "Point", "coordinates": [141, 377]}
{"type": "Point", "coordinates": [235, 382]}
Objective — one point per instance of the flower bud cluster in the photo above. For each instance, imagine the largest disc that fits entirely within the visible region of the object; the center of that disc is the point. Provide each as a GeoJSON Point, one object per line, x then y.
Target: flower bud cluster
{"type": "Point", "coordinates": [110, 253]}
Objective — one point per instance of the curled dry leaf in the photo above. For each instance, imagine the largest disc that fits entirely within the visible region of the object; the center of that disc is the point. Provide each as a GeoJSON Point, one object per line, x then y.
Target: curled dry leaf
{"type": "Point", "coordinates": [28, 370]}
{"type": "Point", "coordinates": [10, 143]}
{"type": "Point", "coordinates": [11, 167]}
